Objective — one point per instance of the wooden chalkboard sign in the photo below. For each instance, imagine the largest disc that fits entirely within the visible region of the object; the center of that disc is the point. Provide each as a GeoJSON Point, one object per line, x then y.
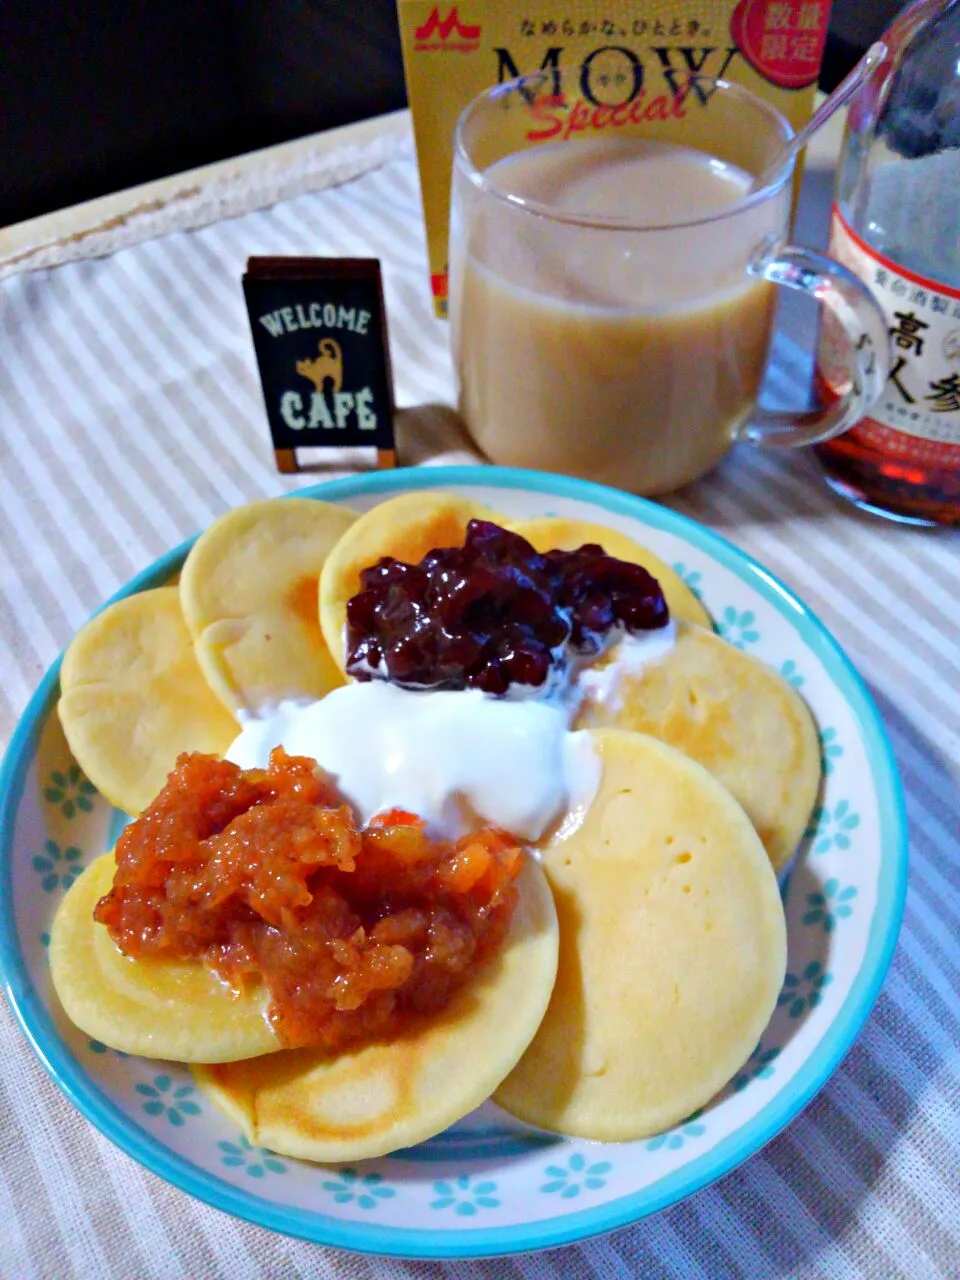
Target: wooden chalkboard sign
{"type": "Point", "coordinates": [320, 336]}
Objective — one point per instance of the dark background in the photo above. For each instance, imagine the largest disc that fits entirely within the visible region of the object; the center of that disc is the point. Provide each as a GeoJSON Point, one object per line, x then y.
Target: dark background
{"type": "Point", "coordinates": [97, 97]}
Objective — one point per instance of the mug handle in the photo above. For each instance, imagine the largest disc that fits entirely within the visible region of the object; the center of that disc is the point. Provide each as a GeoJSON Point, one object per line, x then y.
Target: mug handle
{"type": "Point", "coordinates": [857, 317]}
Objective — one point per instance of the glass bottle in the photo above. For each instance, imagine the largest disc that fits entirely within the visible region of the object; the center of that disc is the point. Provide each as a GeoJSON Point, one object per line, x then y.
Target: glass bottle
{"type": "Point", "coordinates": [896, 224]}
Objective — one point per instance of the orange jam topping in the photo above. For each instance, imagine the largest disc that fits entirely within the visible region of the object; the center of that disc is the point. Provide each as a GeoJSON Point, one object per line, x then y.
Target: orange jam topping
{"type": "Point", "coordinates": [265, 875]}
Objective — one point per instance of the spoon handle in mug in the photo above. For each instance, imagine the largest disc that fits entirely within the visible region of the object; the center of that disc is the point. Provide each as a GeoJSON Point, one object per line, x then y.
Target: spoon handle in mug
{"type": "Point", "coordinates": [874, 56]}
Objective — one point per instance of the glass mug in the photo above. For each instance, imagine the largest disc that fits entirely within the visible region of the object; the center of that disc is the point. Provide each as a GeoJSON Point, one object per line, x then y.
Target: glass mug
{"type": "Point", "coordinates": [631, 349]}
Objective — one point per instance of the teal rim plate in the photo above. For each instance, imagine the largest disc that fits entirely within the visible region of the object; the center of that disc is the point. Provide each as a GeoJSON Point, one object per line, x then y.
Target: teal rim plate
{"type": "Point", "coordinates": [489, 1185]}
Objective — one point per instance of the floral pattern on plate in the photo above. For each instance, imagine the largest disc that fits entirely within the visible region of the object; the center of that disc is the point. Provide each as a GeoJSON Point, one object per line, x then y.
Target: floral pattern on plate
{"type": "Point", "coordinates": [496, 1186]}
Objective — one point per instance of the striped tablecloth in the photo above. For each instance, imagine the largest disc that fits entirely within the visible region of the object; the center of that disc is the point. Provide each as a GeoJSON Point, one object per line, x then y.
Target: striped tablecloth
{"type": "Point", "coordinates": [130, 417]}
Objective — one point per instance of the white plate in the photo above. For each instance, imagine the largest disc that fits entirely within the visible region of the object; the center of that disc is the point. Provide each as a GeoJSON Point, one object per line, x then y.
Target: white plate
{"type": "Point", "coordinates": [489, 1185]}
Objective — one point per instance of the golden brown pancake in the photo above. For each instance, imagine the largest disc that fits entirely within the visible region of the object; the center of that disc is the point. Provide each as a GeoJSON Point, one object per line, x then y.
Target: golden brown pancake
{"type": "Point", "coordinates": [175, 1009]}
{"type": "Point", "coordinates": [133, 697]}
{"type": "Point", "coordinates": [406, 528]}
{"type": "Point", "coordinates": [393, 1094]}
{"type": "Point", "coordinates": [672, 951]}
{"type": "Point", "coordinates": [739, 719]}
{"type": "Point", "coordinates": [549, 533]}
{"type": "Point", "coordinates": [249, 591]}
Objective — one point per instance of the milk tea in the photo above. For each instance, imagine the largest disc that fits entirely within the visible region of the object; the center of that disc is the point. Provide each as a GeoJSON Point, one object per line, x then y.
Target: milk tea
{"type": "Point", "coordinates": [617, 52]}
{"type": "Point", "coordinates": [629, 359]}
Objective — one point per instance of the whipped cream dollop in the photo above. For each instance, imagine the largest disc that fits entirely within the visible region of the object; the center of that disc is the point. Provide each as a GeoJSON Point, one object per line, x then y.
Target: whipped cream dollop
{"type": "Point", "coordinates": [457, 758]}
{"type": "Point", "coordinates": [629, 655]}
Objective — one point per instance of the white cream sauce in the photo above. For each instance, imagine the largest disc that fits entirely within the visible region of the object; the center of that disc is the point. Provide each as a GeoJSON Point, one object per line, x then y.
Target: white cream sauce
{"type": "Point", "coordinates": [456, 758]}
{"type": "Point", "coordinates": [629, 655]}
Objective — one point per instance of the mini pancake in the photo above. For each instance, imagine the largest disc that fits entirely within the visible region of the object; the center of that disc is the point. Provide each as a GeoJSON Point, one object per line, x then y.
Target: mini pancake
{"type": "Point", "coordinates": [406, 528]}
{"type": "Point", "coordinates": [133, 697]}
{"type": "Point", "coordinates": [551, 533]}
{"type": "Point", "coordinates": [249, 595]}
{"type": "Point", "coordinates": [171, 1009]}
{"type": "Point", "coordinates": [739, 719]}
{"type": "Point", "coordinates": [393, 1094]}
{"type": "Point", "coordinates": [672, 951]}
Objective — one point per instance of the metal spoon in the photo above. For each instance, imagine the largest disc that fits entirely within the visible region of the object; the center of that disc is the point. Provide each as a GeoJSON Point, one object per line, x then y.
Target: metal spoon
{"type": "Point", "coordinates": [841, 94]}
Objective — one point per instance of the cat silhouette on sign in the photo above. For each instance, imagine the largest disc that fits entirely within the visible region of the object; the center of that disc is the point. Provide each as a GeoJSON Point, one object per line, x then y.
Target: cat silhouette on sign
{"type": "Point", "coordinates": [328, 364]}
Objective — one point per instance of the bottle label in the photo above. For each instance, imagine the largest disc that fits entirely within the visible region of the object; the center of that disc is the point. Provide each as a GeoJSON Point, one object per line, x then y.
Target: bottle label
{"type": "Point", "coordinates": [918, 414]}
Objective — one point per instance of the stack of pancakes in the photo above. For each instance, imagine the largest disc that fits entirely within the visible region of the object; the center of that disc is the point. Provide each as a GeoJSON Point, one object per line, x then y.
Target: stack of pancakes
{"type": "Point", "coordinates": [649, 944]}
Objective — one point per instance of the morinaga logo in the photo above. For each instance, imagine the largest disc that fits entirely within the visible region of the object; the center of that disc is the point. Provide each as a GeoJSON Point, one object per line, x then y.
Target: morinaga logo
{"type": "Point", "coordinates": [448, 34]}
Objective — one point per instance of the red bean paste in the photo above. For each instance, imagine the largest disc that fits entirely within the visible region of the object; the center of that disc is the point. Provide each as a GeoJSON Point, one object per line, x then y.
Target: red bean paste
{"type": "Point", "coordinates": [493, 612]}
